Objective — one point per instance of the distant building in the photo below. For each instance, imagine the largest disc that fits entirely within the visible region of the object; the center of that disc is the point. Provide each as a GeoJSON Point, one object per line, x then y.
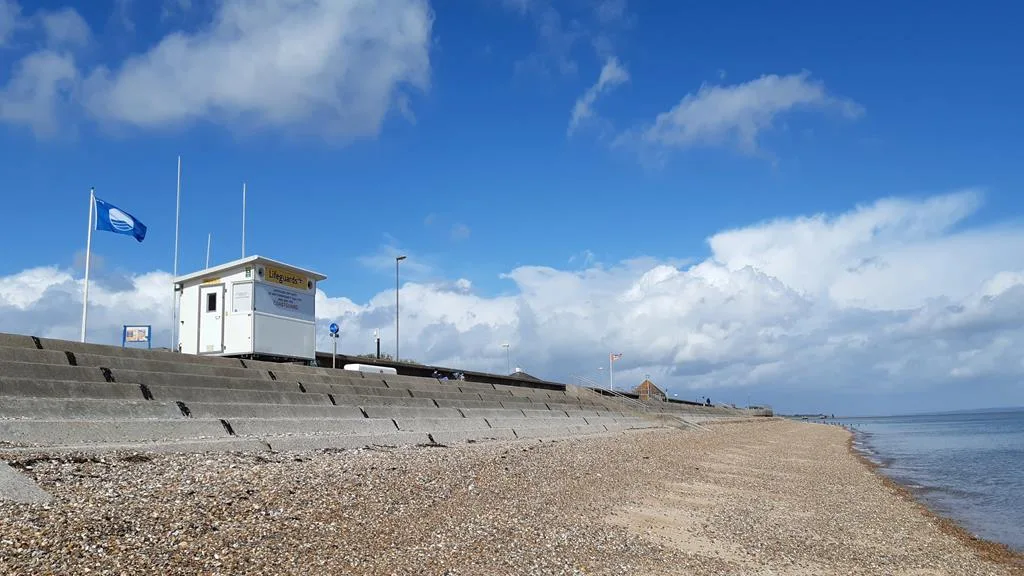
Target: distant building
{"type": "Point", "coordinates": [647, 390]}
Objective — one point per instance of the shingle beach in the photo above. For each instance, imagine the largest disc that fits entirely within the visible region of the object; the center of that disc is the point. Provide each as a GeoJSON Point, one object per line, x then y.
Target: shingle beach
{"type": "Point", "coordinates": [756, 497]}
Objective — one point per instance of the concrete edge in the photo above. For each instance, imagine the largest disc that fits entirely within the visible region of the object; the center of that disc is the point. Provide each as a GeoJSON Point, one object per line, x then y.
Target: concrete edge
{"type": "Point", "coordinates": [17, 487]}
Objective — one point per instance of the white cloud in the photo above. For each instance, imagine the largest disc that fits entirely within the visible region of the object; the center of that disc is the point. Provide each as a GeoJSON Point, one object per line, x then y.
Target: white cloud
{"type": "Point", "coordinates": [65, 27]}
{"type": "Point", "coordinates": [890, 306]}
{"type": "Point", "coordinates": [612, 74]}
{"type": "Point", "coordinates": [10, 12]}
{"type": "Point", "coordinates": [39, 85]}
{"type": "Point", "coordinates": [330, 67]}
{"type": "Point", "coordinates": [737, 114]}
{"type": "Point", "coordinates": [383, 260]}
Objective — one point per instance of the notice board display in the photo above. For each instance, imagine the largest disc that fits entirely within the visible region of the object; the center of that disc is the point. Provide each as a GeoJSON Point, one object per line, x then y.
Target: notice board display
{"type": "Point", "coordinates": [281, 301]}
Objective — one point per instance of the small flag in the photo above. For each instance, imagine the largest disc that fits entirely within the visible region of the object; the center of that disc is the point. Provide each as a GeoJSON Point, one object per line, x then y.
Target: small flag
{"type": "Point", "coordinates": [113, 219]}
{"type": "Point", "coordinates": [616, 356]}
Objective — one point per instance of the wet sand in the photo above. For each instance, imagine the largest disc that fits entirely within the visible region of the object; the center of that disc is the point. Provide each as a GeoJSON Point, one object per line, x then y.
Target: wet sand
{"type": "Point", "coordinates": [764, 497]}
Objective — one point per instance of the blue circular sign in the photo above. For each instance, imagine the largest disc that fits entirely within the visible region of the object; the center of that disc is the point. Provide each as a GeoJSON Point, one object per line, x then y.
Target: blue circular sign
{"type": "Point", "coordinates": [333, 328]}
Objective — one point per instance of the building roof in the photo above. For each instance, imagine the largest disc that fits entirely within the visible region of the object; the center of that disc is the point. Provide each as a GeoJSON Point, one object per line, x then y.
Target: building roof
{"type": "Point", "coordinates": [651, 387]}
{"type": "Point", "coordinates": [242, 262]}
{"type": "Point", "coordinates": [524, 376]}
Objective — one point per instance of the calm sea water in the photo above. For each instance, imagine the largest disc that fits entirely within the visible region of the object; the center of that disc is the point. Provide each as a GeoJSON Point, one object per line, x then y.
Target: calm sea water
{"type": "Point", "coordinates": [968, 466]}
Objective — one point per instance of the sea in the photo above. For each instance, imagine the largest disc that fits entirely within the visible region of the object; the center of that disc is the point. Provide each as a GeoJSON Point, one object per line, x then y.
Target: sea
{"type": "Point", "coordinates": [967, 466]}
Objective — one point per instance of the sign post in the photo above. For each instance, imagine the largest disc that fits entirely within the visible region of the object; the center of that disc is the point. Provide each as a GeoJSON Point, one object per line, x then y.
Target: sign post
{"type": "Point", "coordinates": [334, 336]}
{"type": "Point", "coordinates": [135, 334]}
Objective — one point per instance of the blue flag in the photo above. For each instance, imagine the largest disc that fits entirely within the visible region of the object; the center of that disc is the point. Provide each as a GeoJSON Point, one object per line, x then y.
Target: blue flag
{"type": "Point", "coordinates": [113, 219]}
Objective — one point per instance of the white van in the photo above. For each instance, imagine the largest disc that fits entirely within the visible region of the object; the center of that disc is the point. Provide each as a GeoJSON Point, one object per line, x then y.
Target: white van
{"type": "Point", "coordinates": [371, 368]}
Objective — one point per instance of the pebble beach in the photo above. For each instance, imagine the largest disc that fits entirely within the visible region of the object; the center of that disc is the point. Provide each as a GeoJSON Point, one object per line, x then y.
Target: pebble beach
{"type": "Point", "coordinates": [754, 497]}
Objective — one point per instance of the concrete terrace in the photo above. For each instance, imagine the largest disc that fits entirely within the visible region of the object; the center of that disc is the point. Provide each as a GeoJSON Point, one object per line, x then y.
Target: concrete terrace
{"type": "Point", "coordinates": [64, 396]}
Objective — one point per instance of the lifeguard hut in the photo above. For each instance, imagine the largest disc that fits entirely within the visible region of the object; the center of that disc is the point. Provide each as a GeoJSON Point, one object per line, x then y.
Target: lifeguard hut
{"type": "Point", "coordinates": [254, 307]}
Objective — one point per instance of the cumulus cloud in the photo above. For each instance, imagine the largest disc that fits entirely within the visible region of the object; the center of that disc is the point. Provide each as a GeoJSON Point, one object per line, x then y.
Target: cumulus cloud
{"type": "Point", "coordinates": [888, 306]}
{"type": "Point", "coordinates": [43, 82]}
{"type": "Point", "coordinates": [9, 15]}
{"type": "Point", "coordinates": [39, 86]}
{"type": "Point", "coordinates": [340, 65]}
{"type": "Point", "coordinates": [612, 74]}
{"type": "Point", "coordinates": [65, 27]}
{"type": "Point", "coordinates": [737, 114]}
{"type": "Point", "coordinates": [333, 67]}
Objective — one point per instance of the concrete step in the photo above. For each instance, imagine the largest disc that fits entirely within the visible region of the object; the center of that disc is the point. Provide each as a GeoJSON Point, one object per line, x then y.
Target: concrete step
{"type": "Point", "coordinates": [491, 413]}
{"type": "Point", "coordinates": [562, 406]}
{"type": "Point", "coordinates": [117, 351]}
{"type": "Point", "coordinates": [522, 404]}
{"type": "Point", "coordinates": [522, 423]}
{"type": "Point", "coordinates": [399, 412]}
{"type": "Point", "coordinates": [367, 401]}
{"type": "Point", "coordinates": [371, 391]}
{"type": "Point", "coordinates": [545, 414]}
{"type": "Point", "coordinates": [66, 432]}
{"type": "Point", "coordinates": [493, 395]}
{"type": "Point", "coordinates": [35, 371]}
{"type": "Point", "coordinates": [402, 381]}
{"type": "Point", "coordinates": [16, 341]}
{"type": "Point", "coordinates": [233, 410]}
{"type": "Point", "coordinates": [444, 395]}
{"type": "Point", "coordinates": [309, 378]}
{"type": "Point", "coordinates": [431, 425]}
{"type": "Point", "coordinates": [542, 432]}
{"type": "Point", "coordinates": [198, 381]}
{"type": "Point", "coordinates": [479, 387]}
{"type": "Point", "coordinates": [119, 364]}
{"type": "Point", "coordinates": [223, 395]}
{"type": "Point", "coordinates": [86, 409]}
{"type": "Point", "coordinates": [298, 426]}
{"type": "Point", "coordinates": [344, 386]}
{"type": "Point", "coordinates": [34, 355]}
{"type": "Point", "coordinates": [443, 403]}
{"type": "Point", "coordinates": [25, 387]}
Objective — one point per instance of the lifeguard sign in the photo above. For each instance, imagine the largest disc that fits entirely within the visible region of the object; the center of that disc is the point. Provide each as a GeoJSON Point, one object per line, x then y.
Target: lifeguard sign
{"type": "Point", "coordinates": [254, 307]}
{"type": "Point", "coordinates": [137, 334]}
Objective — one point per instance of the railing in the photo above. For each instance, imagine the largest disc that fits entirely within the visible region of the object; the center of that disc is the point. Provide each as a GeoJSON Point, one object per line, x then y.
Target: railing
{"type": "Point", "coordinates": [588, 383]}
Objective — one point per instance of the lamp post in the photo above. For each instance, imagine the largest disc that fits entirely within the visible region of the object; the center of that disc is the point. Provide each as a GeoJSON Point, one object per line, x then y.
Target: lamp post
{"type": "Point", "coordinates": [397, 260]}
{"type": "Point", "coordinates": [508, 358]}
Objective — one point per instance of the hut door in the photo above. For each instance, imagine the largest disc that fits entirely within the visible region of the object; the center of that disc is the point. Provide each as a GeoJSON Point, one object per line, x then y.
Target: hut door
{"type": "Point", "coordinates": [211, 319]}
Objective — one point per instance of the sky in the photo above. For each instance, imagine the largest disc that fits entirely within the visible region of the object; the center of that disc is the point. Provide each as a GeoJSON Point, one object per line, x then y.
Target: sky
{"type": "Point", "coordinates": [818, 207]}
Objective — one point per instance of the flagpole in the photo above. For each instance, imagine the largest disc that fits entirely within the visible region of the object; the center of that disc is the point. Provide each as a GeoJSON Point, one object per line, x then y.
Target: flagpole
{"type": "Point", "coordinates": [243, 219]}
{"type": "Point", "coordinates": [174, 292]}
{"type": "Point", "coordinates": [88, 251]}
{"type": "Point", "coordinates": [611, 372]}
{"type": "Point", "coordinates": [209, 239]}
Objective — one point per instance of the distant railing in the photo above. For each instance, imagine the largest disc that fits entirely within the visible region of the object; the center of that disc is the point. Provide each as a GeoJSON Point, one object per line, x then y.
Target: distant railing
{"type": "Point", "coordinates": [597, 388]}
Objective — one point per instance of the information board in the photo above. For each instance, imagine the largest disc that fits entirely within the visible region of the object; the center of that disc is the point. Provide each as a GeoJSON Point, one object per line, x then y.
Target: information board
{"type": "Point", "coordinates": [281, 301]}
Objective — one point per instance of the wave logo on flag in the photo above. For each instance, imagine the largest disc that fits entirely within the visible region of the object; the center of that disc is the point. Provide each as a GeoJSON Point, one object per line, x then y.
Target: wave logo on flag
{"type": "Point", "coordinates": [113, 219]}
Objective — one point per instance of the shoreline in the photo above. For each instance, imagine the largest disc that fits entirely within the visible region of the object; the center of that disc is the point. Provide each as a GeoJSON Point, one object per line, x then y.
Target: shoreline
{"type": "Point", "coordinates": [989, 550]}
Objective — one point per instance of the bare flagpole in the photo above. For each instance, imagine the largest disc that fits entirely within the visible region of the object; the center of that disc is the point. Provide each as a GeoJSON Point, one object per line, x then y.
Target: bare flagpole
{"type": "Point", "coordinates": [209, 239]}
{"type": "Point", "coordinates": [174, 292]}
{"type": "Point", "coordinates": [88, 252]}
{"type": "Point", "coordinates": [243, 219]}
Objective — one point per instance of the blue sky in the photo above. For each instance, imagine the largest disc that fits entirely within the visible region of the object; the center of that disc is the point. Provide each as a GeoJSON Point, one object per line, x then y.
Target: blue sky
{"type": "Point", "coordinates": [448, 136]}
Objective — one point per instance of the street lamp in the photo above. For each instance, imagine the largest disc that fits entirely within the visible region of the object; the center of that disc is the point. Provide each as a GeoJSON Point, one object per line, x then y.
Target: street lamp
{"type": "Point", "coordinates": [508, 358]}
{"type": "Point", "coordinates": [397, 260]}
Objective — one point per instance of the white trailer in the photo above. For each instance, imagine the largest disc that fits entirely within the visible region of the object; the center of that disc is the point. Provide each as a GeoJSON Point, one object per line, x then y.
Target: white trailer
{"type": "Point", "coordinates": [254, 307]}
